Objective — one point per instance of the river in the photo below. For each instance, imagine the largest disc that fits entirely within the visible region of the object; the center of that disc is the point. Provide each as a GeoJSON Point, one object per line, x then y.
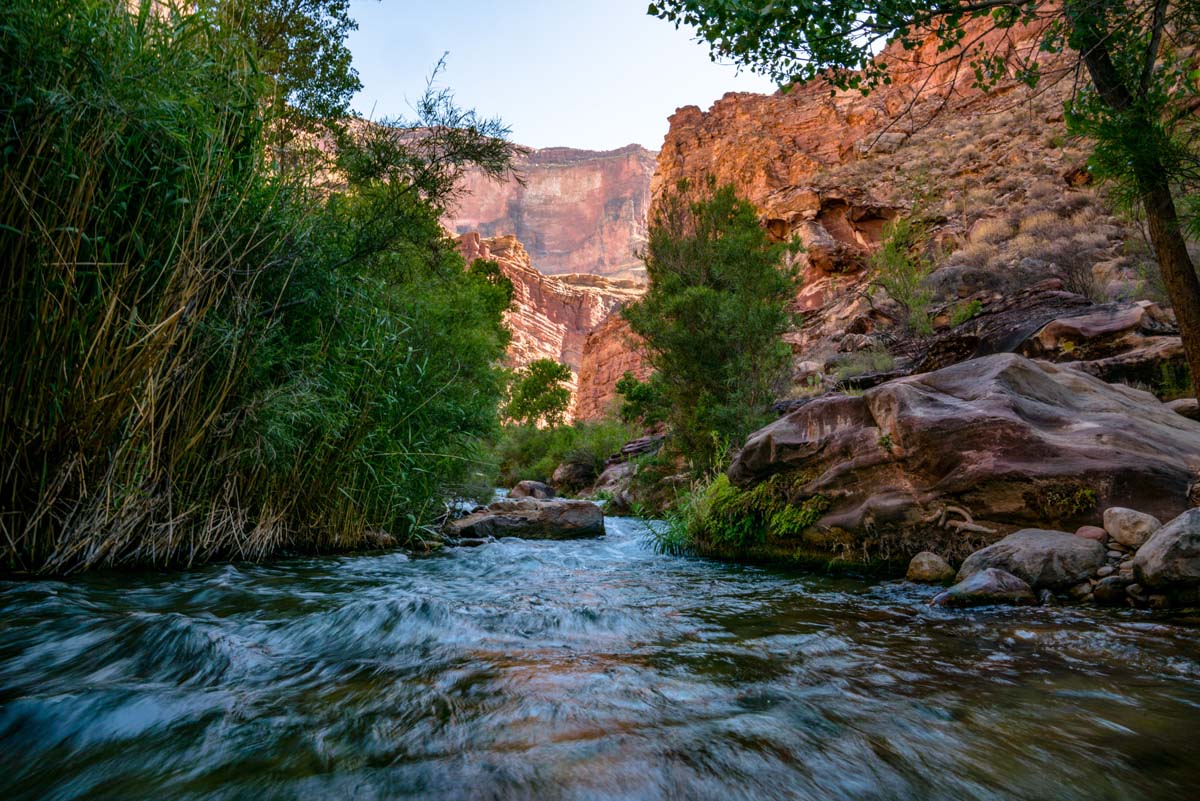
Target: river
{"type": "Point", "coordinates": [579, 670]}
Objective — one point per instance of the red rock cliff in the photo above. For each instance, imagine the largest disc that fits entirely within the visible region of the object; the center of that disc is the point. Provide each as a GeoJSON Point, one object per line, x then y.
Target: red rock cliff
{"type": "Point", "coordinates": [579, 211]}
{"type": "Point", "coordinates": [608, 352]}
{"type": "Point", "coordinates": [551, 315]}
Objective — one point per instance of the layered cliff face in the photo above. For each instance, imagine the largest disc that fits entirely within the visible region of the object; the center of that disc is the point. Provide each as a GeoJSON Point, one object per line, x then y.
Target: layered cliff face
{"type": "Point", "coordinates": [551, 315]}
{"type": "Point", "coordinates": [577, 211]}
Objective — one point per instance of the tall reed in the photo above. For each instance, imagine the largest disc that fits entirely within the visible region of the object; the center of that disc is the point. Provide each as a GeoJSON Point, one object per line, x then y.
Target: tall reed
{"type": "Point", "coordinates": [202, 356]}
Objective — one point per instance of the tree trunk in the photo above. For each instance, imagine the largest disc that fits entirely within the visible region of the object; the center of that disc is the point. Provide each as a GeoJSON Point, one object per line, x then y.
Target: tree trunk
{"type": "Point", "coordinates": [1153, 183]}
{"type": "Point", "coordinates": [1178, 272]}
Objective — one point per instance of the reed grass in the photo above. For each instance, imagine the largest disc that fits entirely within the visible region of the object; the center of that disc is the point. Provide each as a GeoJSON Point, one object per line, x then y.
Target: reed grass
{"type": "Point", "coordinates": [203, 356]}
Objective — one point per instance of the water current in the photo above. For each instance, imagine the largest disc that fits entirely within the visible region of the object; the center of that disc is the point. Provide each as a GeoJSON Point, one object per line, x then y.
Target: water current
{"type": "Point", "coordinates": [579, 670]}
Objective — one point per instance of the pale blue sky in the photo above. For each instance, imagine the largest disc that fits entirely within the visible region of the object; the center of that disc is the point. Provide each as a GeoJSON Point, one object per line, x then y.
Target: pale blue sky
{"type": "Point", "coordinates": [594, 74]}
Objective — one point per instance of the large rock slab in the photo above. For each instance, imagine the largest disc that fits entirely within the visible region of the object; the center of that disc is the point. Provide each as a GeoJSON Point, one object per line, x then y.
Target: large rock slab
{"type": "Point", "coordinates": [989, 586]}
{"type": "Point", "coordinates": [531, 519]}
{"type": "Point", "coordinates": [1043, 559]}
{"type": "Point", "coordinates": [952, 460]}
{"type": "Point", "coordinates": [1171, 557]}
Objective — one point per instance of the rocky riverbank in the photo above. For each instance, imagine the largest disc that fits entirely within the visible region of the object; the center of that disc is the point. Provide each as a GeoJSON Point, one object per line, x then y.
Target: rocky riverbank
{"type": "Point", "coordinates": [1133, 560]}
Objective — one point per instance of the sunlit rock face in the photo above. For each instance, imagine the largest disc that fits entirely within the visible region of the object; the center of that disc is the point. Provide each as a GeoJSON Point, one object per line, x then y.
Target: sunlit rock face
{"type": "Point", "coordinates": [833, 168]}
{"type": "Point", "coordinates": [551, 315]}
{"type": "Point", "coordinates": [577, 211]}
{"type": "Point", "coordinates": [608, 353]}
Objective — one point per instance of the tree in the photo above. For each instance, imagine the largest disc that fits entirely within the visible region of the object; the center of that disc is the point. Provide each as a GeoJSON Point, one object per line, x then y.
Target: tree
{"type": "Point", "coordinates": [712, 317]}
{"type": "Point", "coordinates": [641, 401]}
{"type": "Point", "coordinates": [538, 394]}
{"type": "Point", "coordinates": [1140, 107]}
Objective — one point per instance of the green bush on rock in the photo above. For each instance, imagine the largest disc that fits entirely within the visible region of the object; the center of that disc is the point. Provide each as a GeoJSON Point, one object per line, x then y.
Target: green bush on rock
{"type": "Point", "coordinates": [720, 519]}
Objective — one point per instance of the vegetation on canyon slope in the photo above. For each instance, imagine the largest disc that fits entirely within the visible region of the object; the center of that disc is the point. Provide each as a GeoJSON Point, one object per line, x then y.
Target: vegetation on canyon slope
{"type": "Point", "coordinates": [212, 347]}
{"type": "Point", "coordinates": [1139, 108]}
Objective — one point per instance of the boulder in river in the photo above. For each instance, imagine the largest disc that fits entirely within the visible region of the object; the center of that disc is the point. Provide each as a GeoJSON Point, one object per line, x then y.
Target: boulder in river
{"type": "Point", "coordinates": [532, 489]}
{"type": "Point", "coordinates": [1170, 559]}
{"type": "Point", "coordinates": [988, 586]}
{"type": "Point", "coordinates": [952, 460]}
{"type": "Point", "coordinates": [1043, 559]}
{"type": "Point", "coordinates": [1130, 527]}
{"type": "Point", "coordinates": [532, 519]}
{"type": "Point", "coordinates": [929, 567]}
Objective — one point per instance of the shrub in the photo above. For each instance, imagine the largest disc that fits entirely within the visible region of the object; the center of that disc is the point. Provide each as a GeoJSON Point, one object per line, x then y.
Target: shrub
{"type": "Point", "coordinates": [965, 311]}
{"type": "Point", "coordinates": [251, 364]}
{"type": "Point", "coordinates": [528, 452]}
{"type": "Point", "coordinates": [901, 270]}
{"type": "Point", "coordinates": [864, 362]}
{"type": "Point", "coordinates": [714, 516]}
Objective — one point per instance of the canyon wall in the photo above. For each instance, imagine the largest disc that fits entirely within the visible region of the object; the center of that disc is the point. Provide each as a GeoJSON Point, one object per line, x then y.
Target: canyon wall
{"type": "Point", "coordinates": [551, 315]}
{"type": "Point", "coordinates": [608, 352]}
{"type": "Point", "coordinates": [1002, 195]}
{"type": "Point", "coordinates": [575, 211]}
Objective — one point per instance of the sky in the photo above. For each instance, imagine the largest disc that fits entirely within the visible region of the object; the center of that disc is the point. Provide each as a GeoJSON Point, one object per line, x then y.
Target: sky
{"type": "Point", "coordinates": [592, 74]}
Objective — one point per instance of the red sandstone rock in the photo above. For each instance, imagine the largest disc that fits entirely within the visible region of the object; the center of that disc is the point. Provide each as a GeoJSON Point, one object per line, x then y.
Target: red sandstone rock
{"type": "Point", "coordinates": [608, 352]}
{"type": "Point", "coordinates": [579, 211]}
{"type": "Point", "coordinates": [551, 315]}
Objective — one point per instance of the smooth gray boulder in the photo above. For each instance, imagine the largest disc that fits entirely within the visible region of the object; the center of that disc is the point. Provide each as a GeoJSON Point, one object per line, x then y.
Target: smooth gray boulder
{"type": "Point", "coordinates": [532, 489]}
{"type": "Point", "coordinates": [1171, 557]}
{"type": "Point", "coordinates": [988, 586]}
{"type": "Point", "coordinates": [1129, 527]}
{"type": "Point", "coordinates": [1050, 559]}
{"type": "Point", "coordinates": [929, 567]}
{"type": "Point", "coordinates": [531, 519]}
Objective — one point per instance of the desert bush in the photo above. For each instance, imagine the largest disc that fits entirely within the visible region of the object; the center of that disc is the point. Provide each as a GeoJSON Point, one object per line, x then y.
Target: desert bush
{"type": "Point", "coordinates": [863, 362]}
{"type": "Point", "coordinates": [964, 312]}
{"type": "Point", "coordinates": [989, 231]}
{"type": "Point", "coordinates": [901, 270]}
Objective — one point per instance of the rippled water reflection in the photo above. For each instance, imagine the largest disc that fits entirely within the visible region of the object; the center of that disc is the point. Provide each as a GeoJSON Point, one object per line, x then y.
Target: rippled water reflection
{"type": "Point", "coordinates": [579, 670]}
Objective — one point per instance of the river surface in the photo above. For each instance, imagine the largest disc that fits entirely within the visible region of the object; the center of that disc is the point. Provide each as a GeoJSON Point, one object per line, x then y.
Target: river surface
{"type": "Point", "coordinates": [579, 670]}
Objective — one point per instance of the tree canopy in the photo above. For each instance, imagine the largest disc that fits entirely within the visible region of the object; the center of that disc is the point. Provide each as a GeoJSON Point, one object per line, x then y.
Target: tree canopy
{"type": "Point", "coordinates": [538, 394]}
{"type": "Point", "coordinates": [712, 318]}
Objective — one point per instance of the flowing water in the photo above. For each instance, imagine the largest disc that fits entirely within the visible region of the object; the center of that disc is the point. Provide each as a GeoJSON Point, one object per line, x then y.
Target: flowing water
{"type": "Point", "coordinates": [579, 670]}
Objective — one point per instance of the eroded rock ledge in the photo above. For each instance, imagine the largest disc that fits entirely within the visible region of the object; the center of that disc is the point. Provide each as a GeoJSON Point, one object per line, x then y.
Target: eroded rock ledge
{"type": "Point", "coordinates": [955, 459]}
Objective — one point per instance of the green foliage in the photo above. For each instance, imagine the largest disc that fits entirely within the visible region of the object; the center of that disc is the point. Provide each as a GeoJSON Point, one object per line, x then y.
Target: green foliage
{"type": "Point", "coordinates": [538, 395]}
{"type": "Point", "coordinates": [1056, 503]}
{"type": "Point", "coordinates": [1174, 381]}
{"type": "Point", "coordinates": [717, 517]}
{"type": "Point", "coordinates": [797, 41]}
{"type": "Point", "coordinates": [965, 311]}
{"type": "Point", "coordinates": [712, 318]}
{"type": "Point", "coordinates": [528, 452]}
{"type": "Point", "coordinates": [901, 270]}
{"type": "Point", "coordinates": [203, 355]}
{"type": "Point", "coordinates": [301, 48]}
{"type": "Point", "coordinates": [642, 402]}
{"type": "Point", "coordinates": [863, 362]}
{"type": "Point", "coordinates": [490, 272]}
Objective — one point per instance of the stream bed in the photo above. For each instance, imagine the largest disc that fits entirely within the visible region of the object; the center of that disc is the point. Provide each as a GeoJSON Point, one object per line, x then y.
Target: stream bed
{"type": "Point", "coordinates": [579, 670]}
